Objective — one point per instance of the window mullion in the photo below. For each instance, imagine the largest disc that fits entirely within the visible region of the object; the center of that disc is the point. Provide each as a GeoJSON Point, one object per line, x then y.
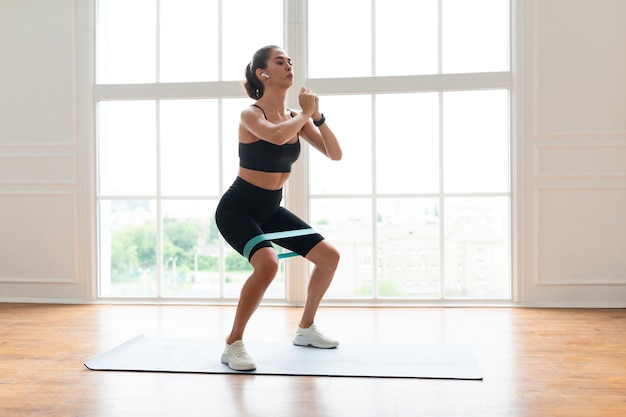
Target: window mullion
{"type": "Point", "coordinates": [373, 36]}
{"type": "Point", "coordinates": [158, 41]}
{"type": "Point", "coordinates": [412, 83]}
{"type": "Point", "coordinates": [374, 203]}
{"type": "Point", "coordinates": [222, 258]}
{"type": "Point", "coordinates": [159, 212]}
{"type": "Point", "coordinates": [439, 37]}
{"type": "Point", "coordinates": [297, 188]}
{"type": "Point", "coordinates": [221, 269]}
{"type": "Point", "coordinates": [225, 89]}
{"type": "Point", "coordinates": [441, 204]}
{"type": "Point", "coordinates": [220, 40]}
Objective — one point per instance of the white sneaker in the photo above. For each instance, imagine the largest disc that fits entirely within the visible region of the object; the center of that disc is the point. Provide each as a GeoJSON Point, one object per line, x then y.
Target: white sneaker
{"type": "Point", "coordinates": [236, 357]}
{"type": "Point", "coordinates": [313, 337]}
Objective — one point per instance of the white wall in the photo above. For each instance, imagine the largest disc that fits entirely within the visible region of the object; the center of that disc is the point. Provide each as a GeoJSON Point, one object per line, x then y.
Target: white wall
{"type": "Point", "coordinates": [45, 213]}
{"type": "Point", "coordinates": [570, 132]}
{"type": "Point", "coordinates": [573, 152]}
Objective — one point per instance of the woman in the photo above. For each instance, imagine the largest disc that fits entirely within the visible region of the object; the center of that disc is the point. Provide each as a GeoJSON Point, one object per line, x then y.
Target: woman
{"type": "Point", "coordinates": [269, 143]}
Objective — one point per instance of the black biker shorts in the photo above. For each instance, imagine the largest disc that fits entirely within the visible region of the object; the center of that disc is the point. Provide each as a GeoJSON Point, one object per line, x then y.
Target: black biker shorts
{"type": "Point", "coordinates": [246, 211]}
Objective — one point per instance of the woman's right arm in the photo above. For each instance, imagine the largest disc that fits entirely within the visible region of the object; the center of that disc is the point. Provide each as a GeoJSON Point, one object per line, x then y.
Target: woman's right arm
{"type": "Point", "coordinates": [279, 133]}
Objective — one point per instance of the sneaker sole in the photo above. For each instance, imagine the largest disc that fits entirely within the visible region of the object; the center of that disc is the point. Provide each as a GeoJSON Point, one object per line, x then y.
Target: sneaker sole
{"type": "Point", "coordinates": [236, 367]}
{"type": "Point", "coordinates": [301, 341]}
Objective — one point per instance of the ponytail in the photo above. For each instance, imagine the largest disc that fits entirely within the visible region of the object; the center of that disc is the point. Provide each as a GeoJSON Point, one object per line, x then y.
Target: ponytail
{"type": "Point", "coordinates": [253, 86]}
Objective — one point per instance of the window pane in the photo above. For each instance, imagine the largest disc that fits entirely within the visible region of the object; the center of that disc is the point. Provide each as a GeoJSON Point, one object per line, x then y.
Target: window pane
{"type": "Point", "coordinates": [400, 23]}
{"type": "Point", "coordinates": [248, 25]}
{"type": "Point", "coordinates": [128, 248]}
{"type": "Point", "coordinates": [408, 248]}
{"type": "Point", "coordinates": [188, 40]}
{"type": "Point", "coordinates": [476, 141]}
{"type": "Point", "coordinates": [190, 249]}
{"type": "Point", "coordinates": [407, 148]}
{"type": "Point", "coordinates": [189, 148]}
{"type": "Point", "coordinates": [347, 224]}
{"type": "Point", "coordinates": [339, 41]}
{"type": "Point", "coordinates": [353, 174]}
{"type": "Point", "coordinates": [475, 36]}
{"type": "Point", "coordinates": [127, 147]}
{"type": "Point", "coordinates": [126, 41]}
{"type": "Point", "coordinates": [231, 111]}
{"type": "Point", "coordinates": [477, 248]}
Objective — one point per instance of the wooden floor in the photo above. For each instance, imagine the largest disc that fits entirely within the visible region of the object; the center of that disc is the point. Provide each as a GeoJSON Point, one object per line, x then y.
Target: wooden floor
{"type": "Point", "coordinates": [536, 362]}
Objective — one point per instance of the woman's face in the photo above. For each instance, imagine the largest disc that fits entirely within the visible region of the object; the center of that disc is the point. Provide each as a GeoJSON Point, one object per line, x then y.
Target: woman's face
{"type": "Point", "coordinates": [279, 67]}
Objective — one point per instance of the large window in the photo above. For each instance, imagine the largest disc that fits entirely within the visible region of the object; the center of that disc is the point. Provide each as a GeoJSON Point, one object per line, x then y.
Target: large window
{"type": "Point", "coordinates": [169, 97]}
{"type": "Point", "coordinates": [418, 93]}
{"type": "Point", "coordinates": [420, 205]}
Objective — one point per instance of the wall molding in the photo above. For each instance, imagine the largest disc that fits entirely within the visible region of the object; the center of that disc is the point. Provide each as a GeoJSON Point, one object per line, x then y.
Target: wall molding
{"type": "Point", "coordinates": [540, 22]}
{"type": "Point", "coordinates": [551, 282]}
{"type": "Point", "coordinates": [541, 280]}
{"type": "Point", "coordinates": [76, 223]}
{"type": "Point", "coordinates": [41, 280]}
{"type": "Point", "coordinates": [608, 155]}
{"type": "Point", "coordinates": [606, 135]}
{"type": "Point", "coordinates": [47, 177]}
{"type": "Point", "coordinates": [41, 105]}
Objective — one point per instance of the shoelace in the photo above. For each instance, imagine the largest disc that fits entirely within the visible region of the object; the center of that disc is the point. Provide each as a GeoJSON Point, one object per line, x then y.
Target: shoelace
{"type": "Point", "coordinates": [316, 331]}
{"type": "Point", "coordinates": [239, 350]}
{"type": "Point", "coordinates": [313, 329]}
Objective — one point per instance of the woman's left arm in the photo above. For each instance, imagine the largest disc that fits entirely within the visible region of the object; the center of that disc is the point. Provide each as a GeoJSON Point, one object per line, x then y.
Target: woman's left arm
{"type": "Point", "coordinates": [322, 138]}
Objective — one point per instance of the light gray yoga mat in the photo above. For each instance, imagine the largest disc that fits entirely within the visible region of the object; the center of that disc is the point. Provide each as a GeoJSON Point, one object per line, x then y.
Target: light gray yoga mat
{"type": "Point", "coordinates": [272, 358]}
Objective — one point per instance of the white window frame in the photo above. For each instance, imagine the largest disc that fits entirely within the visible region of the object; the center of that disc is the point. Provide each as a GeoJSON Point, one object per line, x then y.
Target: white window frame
{"type": "Point", "coordinates": [297, 189]}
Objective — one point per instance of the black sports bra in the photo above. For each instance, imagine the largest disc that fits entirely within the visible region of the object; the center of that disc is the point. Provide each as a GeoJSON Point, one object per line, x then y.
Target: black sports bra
{"type": "Point", "coordinates": [268, 157]}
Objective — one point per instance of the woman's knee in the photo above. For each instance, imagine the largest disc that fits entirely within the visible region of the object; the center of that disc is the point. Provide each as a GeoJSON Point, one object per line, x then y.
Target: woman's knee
{"type": "Point", "coordinates": [333, 255]}
{"type": "Point", "coordinates": [265, 263]}
{"type": "Point", "coordinates": [324, 254]}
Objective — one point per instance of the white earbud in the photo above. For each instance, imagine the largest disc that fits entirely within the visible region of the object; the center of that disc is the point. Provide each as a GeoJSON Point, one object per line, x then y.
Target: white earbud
{"type": "Point", "coordinates": [264, 75]}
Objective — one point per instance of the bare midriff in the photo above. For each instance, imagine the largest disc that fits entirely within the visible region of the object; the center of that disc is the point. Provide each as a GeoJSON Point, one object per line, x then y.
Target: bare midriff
{"type": "Point", "coordinates": [265, 180]}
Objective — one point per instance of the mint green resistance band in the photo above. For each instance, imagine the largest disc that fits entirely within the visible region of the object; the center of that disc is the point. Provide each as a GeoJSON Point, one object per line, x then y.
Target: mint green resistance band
{"type": "Point", "coordinates": [275, 235]}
